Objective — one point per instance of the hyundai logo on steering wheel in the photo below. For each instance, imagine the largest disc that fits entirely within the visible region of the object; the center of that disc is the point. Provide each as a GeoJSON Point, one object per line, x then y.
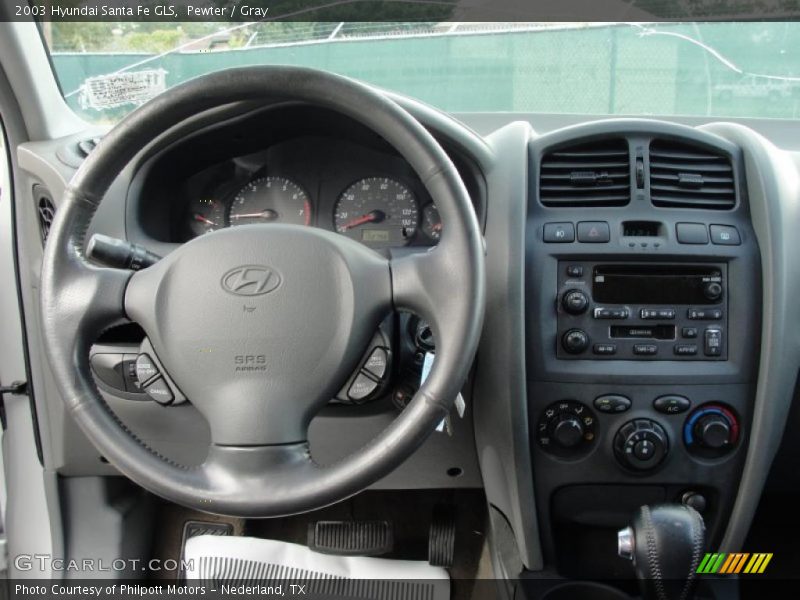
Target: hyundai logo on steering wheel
{"type": "Point", "coordinates": [250, 280]}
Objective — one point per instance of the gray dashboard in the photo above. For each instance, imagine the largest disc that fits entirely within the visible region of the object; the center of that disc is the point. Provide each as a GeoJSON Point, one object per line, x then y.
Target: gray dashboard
{"type": "Point", "coordinates": [517, 373]}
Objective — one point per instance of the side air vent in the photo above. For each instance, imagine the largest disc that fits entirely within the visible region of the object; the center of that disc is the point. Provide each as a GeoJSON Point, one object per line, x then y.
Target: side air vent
{"type": "Point", "coordinates": [683, 175]}
{"type": "Point", "coordinates": [587, 174]}
{"type": "Point", "coordinates": [45, 208]}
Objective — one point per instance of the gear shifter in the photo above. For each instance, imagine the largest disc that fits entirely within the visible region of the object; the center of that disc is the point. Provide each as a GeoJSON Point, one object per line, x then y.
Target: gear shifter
{"type": "Point", "coordinates": [665, 543]}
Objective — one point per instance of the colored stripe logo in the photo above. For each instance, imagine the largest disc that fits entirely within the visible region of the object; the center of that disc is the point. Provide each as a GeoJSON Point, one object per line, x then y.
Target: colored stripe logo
{"type": "Point", "coordinates": [734, 563]}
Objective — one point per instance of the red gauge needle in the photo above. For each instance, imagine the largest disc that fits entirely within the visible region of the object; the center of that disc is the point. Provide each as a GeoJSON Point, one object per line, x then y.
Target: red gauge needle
{"type": "Point", "coordinates": [202, 219]}
{"type": "Point", "coordinates": [375, 216]}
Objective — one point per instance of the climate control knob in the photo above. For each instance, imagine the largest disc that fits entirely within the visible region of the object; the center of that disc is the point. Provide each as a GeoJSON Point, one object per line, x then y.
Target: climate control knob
{"type": "Point", "coordinates": [575, 302]}
{"type": "Point", "coordinates": [711, 431]}
{"type": "Point", "coordinates": [641, 444]}
{"type": "Point", "coordinates": [566, 429]}
{"type": "Point", "coordinates": [575, 341]}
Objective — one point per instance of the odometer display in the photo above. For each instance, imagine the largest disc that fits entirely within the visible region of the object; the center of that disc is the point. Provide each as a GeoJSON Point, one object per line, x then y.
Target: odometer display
{"type": "Point", "coordinates": [377, 211]}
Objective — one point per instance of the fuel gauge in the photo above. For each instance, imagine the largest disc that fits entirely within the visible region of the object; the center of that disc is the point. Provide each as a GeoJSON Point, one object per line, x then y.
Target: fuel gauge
{"type": "Point", "coordinates": [432, 222]}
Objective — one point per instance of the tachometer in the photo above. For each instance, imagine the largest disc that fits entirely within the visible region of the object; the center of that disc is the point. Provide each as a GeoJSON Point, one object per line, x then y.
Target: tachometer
{"type": "Point", "coordinates": [206, 214]}
{"type": "Point", "coordinates": [271, 200]}
{"type": "Point", "coordinates": [377, 211]}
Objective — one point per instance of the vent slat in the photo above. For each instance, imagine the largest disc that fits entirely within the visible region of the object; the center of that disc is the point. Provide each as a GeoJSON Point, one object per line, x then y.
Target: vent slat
{"type": "Point", "coordinates": [684, 175]}
{"type": "Point", "coordinates": [595, 173]}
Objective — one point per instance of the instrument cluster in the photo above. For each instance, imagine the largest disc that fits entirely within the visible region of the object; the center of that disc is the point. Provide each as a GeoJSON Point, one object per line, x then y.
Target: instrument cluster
{"type": "Point", "coordinates": [380, 211]}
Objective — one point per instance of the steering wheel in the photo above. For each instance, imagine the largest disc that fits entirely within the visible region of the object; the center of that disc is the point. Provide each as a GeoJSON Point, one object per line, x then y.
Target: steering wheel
{"type": "Point", "coordinates": [313, 301]}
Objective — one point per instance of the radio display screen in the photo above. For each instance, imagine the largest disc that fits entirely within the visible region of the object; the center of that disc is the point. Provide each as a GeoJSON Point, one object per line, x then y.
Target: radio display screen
{"type": "Point", "coordinates": [652, 284]}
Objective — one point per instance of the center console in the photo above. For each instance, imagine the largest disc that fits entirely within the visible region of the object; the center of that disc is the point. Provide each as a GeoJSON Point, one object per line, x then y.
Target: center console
{"type": "Point", "coordinates": [642, 335]}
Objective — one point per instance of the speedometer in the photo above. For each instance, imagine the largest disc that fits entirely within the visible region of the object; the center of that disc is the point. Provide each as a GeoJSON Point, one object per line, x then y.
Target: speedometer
{"type": "Point", "coordinates": [377, 211]}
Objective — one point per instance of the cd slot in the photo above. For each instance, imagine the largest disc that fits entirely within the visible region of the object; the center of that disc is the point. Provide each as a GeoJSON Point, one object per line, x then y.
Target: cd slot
{"type": "Point", "coordinates": [644, 332]}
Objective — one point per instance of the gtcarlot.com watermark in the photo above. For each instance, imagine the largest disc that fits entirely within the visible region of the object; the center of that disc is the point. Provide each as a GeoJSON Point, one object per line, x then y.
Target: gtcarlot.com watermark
{"type": "Point", "coordinates": [45, 562]}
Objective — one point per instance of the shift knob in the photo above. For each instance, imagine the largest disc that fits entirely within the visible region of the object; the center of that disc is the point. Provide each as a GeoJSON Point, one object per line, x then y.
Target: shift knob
{"type": "Point", "coordinates": [665, 543]}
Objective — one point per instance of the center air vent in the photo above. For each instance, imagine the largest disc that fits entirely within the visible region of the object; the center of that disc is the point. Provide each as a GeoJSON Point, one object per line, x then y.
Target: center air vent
{"type": "Point", "coordinates": [683, 175]}
{"type": "Point", "coordinates": [587, 174]}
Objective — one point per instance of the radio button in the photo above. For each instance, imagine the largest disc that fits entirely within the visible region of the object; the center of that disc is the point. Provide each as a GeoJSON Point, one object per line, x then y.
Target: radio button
{"type": "Point", "coordinates": [725, 235]}
{"type": "Point", "coordinates": [689, 332]}
{"type": "Point", "coordinates": [700, 314]}
{"type": "Point", "coordinates": [605, 349]}
{"type": "Point", "coordinates": [691, 233]}
{"type": "Point", "coordinates": [657, 313]}
{"type": "Point", "coordinates": [612, 403]}
{"type": "Point", "coordinates": [685, 349]}
{"type": "Point", "coordinates": [645, 349]}
{"type": "Point", "coordinates": [712, 342]}
{"type": "Point", "coordinates": [575, 341]}
{"type": "Point", "coordinates": [574, 271]}
{"type": "Point", "coordinates": [593, 232]}
{"type": "Point", "coordinates": [671, 405]}
{"type": "Point", "coordinates": [611, 313]}
{"type": "Point", "coordinates": [559, 233]}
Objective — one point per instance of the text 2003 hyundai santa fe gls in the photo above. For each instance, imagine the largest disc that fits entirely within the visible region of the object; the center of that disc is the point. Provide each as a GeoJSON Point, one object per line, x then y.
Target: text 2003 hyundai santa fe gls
{"type": "Point", "coordinates": [400, 310]}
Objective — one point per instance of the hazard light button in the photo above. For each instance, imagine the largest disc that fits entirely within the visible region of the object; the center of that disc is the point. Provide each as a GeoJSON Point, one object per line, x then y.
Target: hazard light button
{"type": "Point", "coordinates": [593, 232]}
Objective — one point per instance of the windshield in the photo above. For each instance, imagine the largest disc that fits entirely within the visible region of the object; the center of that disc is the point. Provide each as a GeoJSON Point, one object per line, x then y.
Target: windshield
{"type": "Point", "coordinates": [743, 69]}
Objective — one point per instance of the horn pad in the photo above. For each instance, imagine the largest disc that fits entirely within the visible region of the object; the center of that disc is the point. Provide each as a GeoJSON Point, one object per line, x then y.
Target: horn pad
{"type": "Point", "coordinates": [260, 325]}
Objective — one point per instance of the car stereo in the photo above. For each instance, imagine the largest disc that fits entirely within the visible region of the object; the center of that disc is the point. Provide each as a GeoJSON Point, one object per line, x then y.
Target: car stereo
{"type": "Point", "coordinates": [641, 311]}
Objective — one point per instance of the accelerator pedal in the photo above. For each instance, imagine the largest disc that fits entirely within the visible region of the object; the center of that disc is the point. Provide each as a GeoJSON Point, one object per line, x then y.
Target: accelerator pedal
{"type": "Point", "coordinates": [442, 536]}
{"type": "Point", "coordinates": [351, 538]}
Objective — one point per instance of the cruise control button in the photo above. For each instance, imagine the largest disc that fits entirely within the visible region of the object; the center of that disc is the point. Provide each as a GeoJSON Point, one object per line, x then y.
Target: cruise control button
{"type": "Point", "coordinates": [145, 369]}
{"type": "Point", "coordinates": [377, 363]}
{"type": "Point", "coordinates": [645, 349]}
{"type": "Point", "coordinates": [159, 391]}
{"type": "Point", "coordinates": [361, 387]}
{"type": "Point", "coordinates": [593, 232]}
{"type": "Point", "coordinates": [559, 232]}
{"type": "Point", "coordinates": [672, 404]}
{"type": "Point", "coordinates": [685, 349]}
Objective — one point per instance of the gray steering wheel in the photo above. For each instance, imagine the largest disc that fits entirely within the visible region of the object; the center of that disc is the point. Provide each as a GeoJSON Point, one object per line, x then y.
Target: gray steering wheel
{"type": "Point", "coordinates": [310, 322]}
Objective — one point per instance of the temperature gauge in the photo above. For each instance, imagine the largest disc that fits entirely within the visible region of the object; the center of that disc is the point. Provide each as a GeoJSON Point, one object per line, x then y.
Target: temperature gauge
{"type": "Point", "coordinates": [432, 222]}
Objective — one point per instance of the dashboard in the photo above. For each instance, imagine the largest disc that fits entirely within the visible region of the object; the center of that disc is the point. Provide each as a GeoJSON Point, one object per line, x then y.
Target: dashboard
{"type": "Point", "coordinates": [638, 276]}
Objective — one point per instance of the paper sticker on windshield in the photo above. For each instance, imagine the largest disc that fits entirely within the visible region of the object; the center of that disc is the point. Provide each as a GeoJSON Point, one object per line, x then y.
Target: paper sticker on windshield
{"type": "Point", "coordinates": [120, 89]}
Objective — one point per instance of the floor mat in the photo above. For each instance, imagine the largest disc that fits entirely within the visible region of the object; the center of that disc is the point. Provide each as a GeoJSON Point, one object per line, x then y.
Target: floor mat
{"type": "Point", "coordinates": [252, 561]}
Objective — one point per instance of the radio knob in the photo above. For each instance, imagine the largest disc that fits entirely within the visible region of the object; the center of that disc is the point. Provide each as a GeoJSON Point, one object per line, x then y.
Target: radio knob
{"type": "Point", "coordinates": [712, 290]}
{"type": "Point", "coordinates": [575, 302]}
{"type": "Point", "coordinates": [713, 431]}
{"type": "Point", "coordinates": [575, 341]}
{"type": "Point", "coordinates": [568, 432]}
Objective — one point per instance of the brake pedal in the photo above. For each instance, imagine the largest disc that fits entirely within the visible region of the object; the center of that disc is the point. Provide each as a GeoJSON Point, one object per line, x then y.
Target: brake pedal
{"type": "Point", "coordinates": [442, 536]}
{"type": "Point", "coordinates": [351, 538]}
